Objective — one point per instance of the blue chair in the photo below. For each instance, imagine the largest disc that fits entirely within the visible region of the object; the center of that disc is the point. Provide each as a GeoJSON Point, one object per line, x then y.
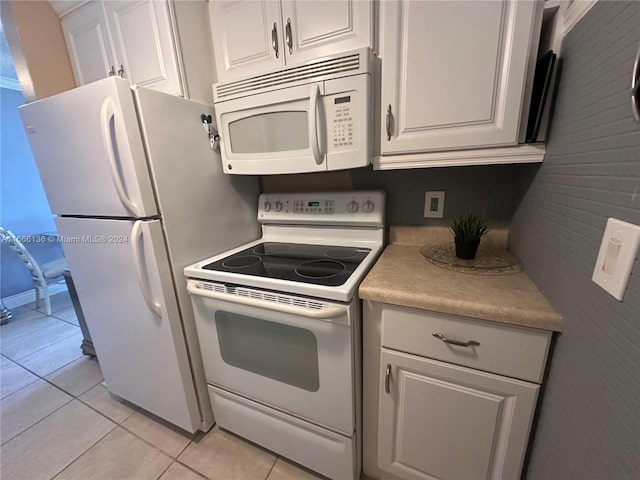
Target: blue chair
{"type": "Point", "coordinates": [42, 275]}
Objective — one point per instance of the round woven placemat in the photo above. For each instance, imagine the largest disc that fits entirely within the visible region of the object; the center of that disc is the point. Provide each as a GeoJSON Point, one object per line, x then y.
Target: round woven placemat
{"type": "Point", "coordinates": [488, 261]}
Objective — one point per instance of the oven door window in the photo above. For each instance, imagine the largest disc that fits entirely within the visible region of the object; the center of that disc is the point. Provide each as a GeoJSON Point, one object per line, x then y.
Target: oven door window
{"type": "Point", "coordinates": [270, 132]}
{"type": "Point", "coordinates": [280, 352]}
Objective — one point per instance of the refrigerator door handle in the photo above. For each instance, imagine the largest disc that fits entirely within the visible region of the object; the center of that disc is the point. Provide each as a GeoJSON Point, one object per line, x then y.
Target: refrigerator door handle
{"type": "Point", "coordinates": [106, 112]}
{"type": "Point", "coordinates": [136, 235]}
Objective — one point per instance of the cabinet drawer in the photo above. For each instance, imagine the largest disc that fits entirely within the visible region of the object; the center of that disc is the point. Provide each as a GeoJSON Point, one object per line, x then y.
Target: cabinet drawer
{"type": "Point", "coordinates": [507, 350]}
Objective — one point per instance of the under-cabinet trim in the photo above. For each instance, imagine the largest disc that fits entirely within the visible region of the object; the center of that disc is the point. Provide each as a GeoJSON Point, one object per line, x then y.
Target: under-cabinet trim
{"type": "Point", "coordinates": [485, 156]}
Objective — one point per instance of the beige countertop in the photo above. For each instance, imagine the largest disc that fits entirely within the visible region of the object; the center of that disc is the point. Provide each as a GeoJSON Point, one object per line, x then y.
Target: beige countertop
{"type": "Point", "coordinates": [402, 276]}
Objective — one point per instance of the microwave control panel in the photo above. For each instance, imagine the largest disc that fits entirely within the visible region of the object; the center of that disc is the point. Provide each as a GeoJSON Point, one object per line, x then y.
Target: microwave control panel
{"type": "Point", "coordinates": [342, 125]}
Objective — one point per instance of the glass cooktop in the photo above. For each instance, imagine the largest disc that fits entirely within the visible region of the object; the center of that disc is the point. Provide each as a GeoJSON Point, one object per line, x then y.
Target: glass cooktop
{"type": "Point", "coordinates": [327, 265]}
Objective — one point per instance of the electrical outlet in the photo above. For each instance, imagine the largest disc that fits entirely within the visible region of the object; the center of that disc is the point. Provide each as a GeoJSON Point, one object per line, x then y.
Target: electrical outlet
{"type": "Point", "coordinates": [433, 204]}
{"type": "Point", "coordinates": [617, 254]}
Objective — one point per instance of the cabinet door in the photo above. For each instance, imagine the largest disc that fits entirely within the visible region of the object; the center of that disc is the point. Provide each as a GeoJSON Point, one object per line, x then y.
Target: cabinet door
{"type": "Point", "coordinates": [442, 421]}
{"type": "Point", "coordinates": [247, 37]}
{"type": "Point", "coordinates": [453, 73]}
{"type": "Point", "coordinates": [316, 29]}
{"type": "Point", "coordinates": [143, 42]}
{"type": "Point", "coordinates": [87, 36]}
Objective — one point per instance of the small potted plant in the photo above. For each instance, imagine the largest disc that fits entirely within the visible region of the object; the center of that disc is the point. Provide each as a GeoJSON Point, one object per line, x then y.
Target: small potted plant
{"type": "Point", "coordinates": [467, 230]}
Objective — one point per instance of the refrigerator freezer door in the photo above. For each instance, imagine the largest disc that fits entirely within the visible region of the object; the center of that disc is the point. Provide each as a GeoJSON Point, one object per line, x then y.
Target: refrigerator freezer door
{"type": "Point", "coordinates": [124, 284]}
{"type": "Point", "coordinates": [88, 148]}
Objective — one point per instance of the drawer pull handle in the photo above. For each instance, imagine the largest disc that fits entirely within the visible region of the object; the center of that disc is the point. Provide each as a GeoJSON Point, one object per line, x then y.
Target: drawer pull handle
{"type": "Point", "coordinates": [387, 379]}
{"type": "Point", "coordinates": [468, 343]}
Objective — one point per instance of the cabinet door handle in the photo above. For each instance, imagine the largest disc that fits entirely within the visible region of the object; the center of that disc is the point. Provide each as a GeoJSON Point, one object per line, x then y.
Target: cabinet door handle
{"type": "Point", "coordinates": [388, 122]}
{"type": "Point", "coordinates": [121, 71]}
{"type": "Point", "coordinates": [112, 72]}
{"type": "Point", "coordinates": [387, 379]}
{"type": "Point", "coordinates": [635, 88]}
{"type": "Point", "coordinates": [289, 36]}
{"type": "Point", "coordinates": [274, 39]}
{"type": "Point", "coordinates": [468, 343]}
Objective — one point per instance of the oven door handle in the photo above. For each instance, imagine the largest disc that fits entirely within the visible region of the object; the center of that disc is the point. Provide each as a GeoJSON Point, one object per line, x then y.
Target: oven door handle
{"type": "Point", "coordinates": [333, 311]}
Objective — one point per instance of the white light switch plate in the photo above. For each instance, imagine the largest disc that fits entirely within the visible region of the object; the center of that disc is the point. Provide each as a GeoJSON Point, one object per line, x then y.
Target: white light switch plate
{"type": "Point", "coordinates": [616, 257]}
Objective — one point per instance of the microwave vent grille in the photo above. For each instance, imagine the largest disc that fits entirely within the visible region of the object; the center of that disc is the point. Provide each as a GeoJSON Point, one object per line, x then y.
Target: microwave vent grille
{"type": "Point", "coordinates": [282, 78]}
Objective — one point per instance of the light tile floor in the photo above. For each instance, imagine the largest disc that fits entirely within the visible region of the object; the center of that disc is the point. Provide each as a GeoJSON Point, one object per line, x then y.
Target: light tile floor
{"type": "Point", "coordinates": [57, 420]}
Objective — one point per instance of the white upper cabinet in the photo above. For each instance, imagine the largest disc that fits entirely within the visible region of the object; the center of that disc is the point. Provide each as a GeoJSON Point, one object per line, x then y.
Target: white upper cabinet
{"type": "Point", "coordinates": [316, 29]}
{"type": "Point", "coordinates": [247, 36]}
{"type": "Point", "coordinates": [141, 34]}
{"type": "Point", "coordinates": [88, 42]}
{"type": "Point", "coordinates": [454, 73]}
{"type": "Point", "coordinates": [253, 37]}
{"type": "Point", "coordinates": [159, 44]}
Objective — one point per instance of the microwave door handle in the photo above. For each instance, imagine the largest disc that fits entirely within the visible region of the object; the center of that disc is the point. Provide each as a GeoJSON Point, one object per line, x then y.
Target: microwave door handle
{"type": "Point", "coordinates": [313, 124]}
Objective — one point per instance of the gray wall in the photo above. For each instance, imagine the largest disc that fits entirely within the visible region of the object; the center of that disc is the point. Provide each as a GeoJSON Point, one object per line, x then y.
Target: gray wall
{"type": "Point", "coordinates": [489, 190]}
{"type": "Point", "coordinates": [589, 425]}
{"type": "Point", "coordinates": [493, 191]}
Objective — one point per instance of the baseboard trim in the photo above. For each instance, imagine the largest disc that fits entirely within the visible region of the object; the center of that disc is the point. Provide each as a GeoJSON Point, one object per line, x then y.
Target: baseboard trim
{"type": "Point", "coordinates": [23, 298]}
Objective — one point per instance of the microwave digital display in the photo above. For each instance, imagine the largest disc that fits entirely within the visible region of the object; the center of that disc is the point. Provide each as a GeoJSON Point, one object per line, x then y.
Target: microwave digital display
{"type": "Point", "coordinates": [342, 100]}
{"type": "Point", "coordinates": [313, 204]}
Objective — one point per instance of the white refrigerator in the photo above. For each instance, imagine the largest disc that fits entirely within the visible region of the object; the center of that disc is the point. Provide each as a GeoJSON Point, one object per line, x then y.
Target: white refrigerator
{"type": "Point", "coordinates": [139, 195]}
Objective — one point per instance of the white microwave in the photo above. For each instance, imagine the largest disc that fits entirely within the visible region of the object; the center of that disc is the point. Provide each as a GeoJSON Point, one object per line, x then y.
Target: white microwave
{"type": "Point", "coordinates": [309, 118]}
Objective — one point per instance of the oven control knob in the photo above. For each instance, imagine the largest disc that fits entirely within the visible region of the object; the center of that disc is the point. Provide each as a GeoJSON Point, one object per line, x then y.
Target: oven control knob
{"type": "Point", "coordinates": [352, 206]}
{"type": "Point", "coordinates": [368, 206]}
{"type": "Point", "coordinates": [267, 206]}
{"type": "Point", "coordinates": [278, 206]}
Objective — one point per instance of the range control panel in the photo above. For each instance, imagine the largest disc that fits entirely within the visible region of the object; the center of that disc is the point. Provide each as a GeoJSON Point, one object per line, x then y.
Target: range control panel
{"type": "Point", "coordinates": [326, 208]}
{"type": "Point", "coordinates": [313, 206]}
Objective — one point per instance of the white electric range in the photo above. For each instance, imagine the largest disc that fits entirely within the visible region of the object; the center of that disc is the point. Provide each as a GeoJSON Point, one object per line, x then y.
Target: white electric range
{"type": "Point", "coordinates": [279, 325]}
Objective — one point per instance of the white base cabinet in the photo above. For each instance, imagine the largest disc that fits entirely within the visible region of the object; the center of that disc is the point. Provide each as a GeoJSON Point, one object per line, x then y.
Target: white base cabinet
{"type": "Point", "coordinates": [442, 421]}
{"type": "Point", "coordinates": [437, 408]}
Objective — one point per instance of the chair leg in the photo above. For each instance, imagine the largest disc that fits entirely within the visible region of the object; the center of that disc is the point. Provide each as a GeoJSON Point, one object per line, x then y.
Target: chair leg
{"type": "Point", "coordinates": [47, 300]}
{"type": "Point", "coordinates": [37, 297]}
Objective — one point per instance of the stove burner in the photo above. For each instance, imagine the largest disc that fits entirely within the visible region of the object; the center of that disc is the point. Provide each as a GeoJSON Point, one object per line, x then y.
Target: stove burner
{"type": "Point", "coordinates": [320, 269]}
{"type": "Point", "coordinates": [341, 253]}
{"type": "Point", "coordinates": [271, 248]}
{"type": "Point", "coordinates": [241, 262]}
